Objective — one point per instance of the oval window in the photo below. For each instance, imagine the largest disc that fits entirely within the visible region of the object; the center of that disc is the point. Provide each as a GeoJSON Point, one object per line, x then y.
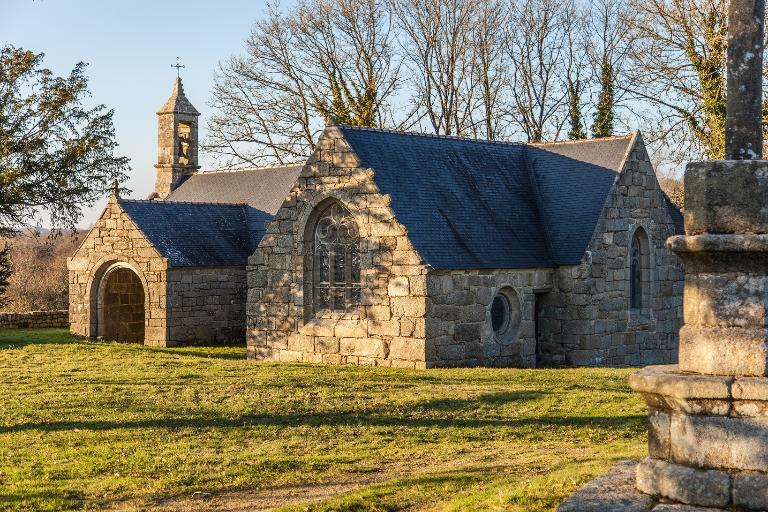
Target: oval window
{"type": "Point", "coordinates": [506, 314]}
{"type": "Point", "coordinates": [499, 313]}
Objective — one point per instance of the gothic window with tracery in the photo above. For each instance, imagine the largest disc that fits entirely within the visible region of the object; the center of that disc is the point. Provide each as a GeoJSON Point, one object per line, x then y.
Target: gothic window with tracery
{"type": "Point", "coordinates": [336, 260]}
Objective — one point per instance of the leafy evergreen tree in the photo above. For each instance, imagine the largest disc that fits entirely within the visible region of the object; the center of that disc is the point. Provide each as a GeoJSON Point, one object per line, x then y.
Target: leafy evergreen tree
{"type": "Point", "coordinates": [603, 124]}
{"type": "Point", "coordinates": [55, 155]}
{"type": "Point", "coordinates": [6, 270]}
{"type": "Point", "coordinates": [574, 111]}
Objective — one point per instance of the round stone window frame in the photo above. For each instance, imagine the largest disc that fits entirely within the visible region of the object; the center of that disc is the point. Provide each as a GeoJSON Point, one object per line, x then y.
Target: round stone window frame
{"type": "Point", "coordinates": [513, 314]}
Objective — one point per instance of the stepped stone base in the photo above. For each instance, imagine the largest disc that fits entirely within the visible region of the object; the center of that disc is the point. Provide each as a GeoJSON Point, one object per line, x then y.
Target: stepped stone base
{"type": "Point", "coordinates": [616, 492]}
{"type": "Point", "coordinates": [707, 438]}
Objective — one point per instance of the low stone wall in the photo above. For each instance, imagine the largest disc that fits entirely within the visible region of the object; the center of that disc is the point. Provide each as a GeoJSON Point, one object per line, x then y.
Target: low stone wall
{"type": "Point", "coordinates": [34, 319]}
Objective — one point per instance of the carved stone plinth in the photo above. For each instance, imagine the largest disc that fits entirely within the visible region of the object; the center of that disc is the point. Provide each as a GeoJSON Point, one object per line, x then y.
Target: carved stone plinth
{"type": "Point", "coordinates": [708, 428]}
{"type": "Point", "coordinates": [707, 438]}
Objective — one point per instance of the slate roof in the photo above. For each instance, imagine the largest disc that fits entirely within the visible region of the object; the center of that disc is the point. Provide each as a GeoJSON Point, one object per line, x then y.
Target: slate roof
{"type": "Point", "coordinates": [675, 214]}
{"type": "Point", "coordinates": [467, 204]}
{"type": "Point", "coordinates": [477, 204]}
{"type": "Point", "coordinates": [263, 188]}
{"type": "Point", "coordinates": [607, 153]}
{"type": "Point", "coordinates": [194, 234]}
{"type": "Point", "coordinates": [572, 192]}
{"type": "Point", "coordinates": [216, 217]}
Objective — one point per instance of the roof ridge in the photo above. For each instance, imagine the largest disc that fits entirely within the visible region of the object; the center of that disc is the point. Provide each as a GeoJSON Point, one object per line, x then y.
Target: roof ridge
{"type": "Point", "coordinates": [431, 135]}
{"type": "Point", "coordinates": [156, 201]}
{"type": "Point", "coordinates": [582, 141]}
{"type": "Point", "coordinates": [245, 169]}
{"type": "Point", "coordinates": [486, 141]}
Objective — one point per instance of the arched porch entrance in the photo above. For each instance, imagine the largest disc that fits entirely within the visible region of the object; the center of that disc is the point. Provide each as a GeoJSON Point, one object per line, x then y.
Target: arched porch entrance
{"type": "Point", "coordinates": [120, 304]}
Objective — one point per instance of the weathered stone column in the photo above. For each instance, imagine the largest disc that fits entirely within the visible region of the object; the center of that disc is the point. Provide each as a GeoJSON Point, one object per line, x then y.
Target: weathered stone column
{"type": "Point", "coordinates": [708, 421]}
{"type": "Point", "coordinates": [743, 129]}
{"type": "Point", "coordinates": [708, 428]}
{"type": "Point", "coordinates": [708, 434]}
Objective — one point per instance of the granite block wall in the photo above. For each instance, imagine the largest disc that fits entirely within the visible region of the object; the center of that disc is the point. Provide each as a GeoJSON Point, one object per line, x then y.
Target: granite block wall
{"type": "Point", "coordinates": [588, 317]}
{"type": "Point", "coordinates": [189, 305]}
{"type": "Point", "coordinates": [458, 317]}
{"type": "Point", "coordinates": [387, 327]}
{"type": "Point", "coordinates": [206, 305]}
{"type": "Point", "coordinates": [115, 241]}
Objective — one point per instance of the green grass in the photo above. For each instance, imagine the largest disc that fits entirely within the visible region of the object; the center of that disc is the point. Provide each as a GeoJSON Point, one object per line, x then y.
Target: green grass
{"type": "Point", "coordinates": [91, 425]}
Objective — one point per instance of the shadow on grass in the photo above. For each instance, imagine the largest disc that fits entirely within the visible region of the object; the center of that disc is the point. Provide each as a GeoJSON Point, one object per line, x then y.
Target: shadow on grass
{"type": "Point", "coordinates": [449, 405]}
{"type": "Point", "coordinates": [228, 352]}
{"type": "Point", "coordinates": [427, 414]}
{"type": "Point", "coordinates": [16, 338]}
{"type": "Point", "coordinates": [63, 500]}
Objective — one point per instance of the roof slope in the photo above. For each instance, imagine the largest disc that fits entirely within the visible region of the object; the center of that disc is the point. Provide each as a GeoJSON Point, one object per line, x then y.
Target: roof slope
{"type": "Point", "coordinates": [607, 152]}
{"type": "Point", "coordinates": [264, 188]}
{"type": "Point", "coordinates": [466, 204]}
{"type": "Point", "coordinates": [196, 234]}
{"type": "Point", "coordinates": [478, 204]}
{"type": "Point", "coordinates": [574, 180]}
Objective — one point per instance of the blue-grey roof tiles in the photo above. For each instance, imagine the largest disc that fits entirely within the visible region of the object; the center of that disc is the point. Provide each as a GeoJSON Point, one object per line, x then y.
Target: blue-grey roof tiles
{"type": "Point", "coordinates": [467, 204]}
{"type": "Point", "coordinates": [471, 204]}
{"type": "Point", "coordinates": [198, 234]}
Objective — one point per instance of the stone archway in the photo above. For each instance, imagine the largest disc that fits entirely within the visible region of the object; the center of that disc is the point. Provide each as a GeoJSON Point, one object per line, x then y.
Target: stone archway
{"type": "Point", "coordinates": [121, 305]}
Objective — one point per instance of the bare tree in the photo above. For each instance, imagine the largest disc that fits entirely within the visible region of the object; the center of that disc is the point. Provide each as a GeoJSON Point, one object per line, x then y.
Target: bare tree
{"type": "Point", "coordinates": [437, 41]}
{"type": "Point", "coordinates": [346, 49]}
{"type": "Point", "coordinates": [536, 48]}
{"type": "Point", "coordinates": [678, 68]}
{"type": "Point", "coordinates": [489, 33]}
{"type": "Point", "coordinates": [577, 74]}
{"type": "Point", "coordinates": [326, 58]}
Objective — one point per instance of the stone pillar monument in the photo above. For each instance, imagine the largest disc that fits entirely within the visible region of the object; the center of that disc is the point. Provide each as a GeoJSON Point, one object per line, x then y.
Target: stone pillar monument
{"type": "Point", "coordinates": [708, 435]}
{"type": "Point", "coordinates": [708, 425]}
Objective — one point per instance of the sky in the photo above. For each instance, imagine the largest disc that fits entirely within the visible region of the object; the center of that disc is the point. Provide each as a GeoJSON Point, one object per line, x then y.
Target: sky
{"type": "Point", "coordinates": [130, 47]}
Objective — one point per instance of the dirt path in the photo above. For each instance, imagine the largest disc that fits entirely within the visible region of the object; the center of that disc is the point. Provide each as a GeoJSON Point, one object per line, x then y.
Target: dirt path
{"type": "Point", "coordinates": [263, 500]}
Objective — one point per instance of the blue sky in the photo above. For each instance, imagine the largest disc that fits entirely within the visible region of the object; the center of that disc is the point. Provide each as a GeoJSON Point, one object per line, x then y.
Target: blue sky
{"type": "Point", "coordinates": [130, 46]}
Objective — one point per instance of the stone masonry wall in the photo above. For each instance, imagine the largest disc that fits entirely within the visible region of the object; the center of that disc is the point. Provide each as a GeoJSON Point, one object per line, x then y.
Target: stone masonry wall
{"type": "Point", "coordinates": [206, 305]}
{"type": "Point", "coordinates": [34, 319]}
{"type": "Point", "coordinates": [115, 239]}
{"type": "Point", "coordinates": [587, 319]}
{"type": "Point", "coordinates": [459, 331]}
{"type": "Point", "coordinates": [387, 328]}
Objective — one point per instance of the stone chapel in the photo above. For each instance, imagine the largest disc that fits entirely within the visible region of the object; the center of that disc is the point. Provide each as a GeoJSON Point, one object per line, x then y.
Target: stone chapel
{"type": "Point", "coordinates": [392, 248]}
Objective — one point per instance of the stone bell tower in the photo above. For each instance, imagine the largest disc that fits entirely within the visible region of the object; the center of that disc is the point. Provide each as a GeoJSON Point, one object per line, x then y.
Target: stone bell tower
{"type": "Point", "coordinates": [176, 141]}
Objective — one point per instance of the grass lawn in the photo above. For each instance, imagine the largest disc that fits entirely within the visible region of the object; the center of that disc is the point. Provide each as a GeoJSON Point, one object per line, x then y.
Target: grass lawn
{"type": "Point", "coordinates": [94, 426]}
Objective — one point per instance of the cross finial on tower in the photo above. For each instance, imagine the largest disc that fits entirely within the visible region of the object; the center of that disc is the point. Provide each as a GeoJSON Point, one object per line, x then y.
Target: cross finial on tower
{"type": "Point", "coordinates": [178, 67]}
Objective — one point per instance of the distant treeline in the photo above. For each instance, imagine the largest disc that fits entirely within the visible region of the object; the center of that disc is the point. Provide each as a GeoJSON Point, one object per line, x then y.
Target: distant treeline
{"type": "Point", "coordinates": [39, 280]}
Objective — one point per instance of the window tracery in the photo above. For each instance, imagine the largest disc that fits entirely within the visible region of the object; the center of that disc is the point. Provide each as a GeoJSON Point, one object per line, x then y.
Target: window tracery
{"type": "Point", "coordinates": [336, 260]}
